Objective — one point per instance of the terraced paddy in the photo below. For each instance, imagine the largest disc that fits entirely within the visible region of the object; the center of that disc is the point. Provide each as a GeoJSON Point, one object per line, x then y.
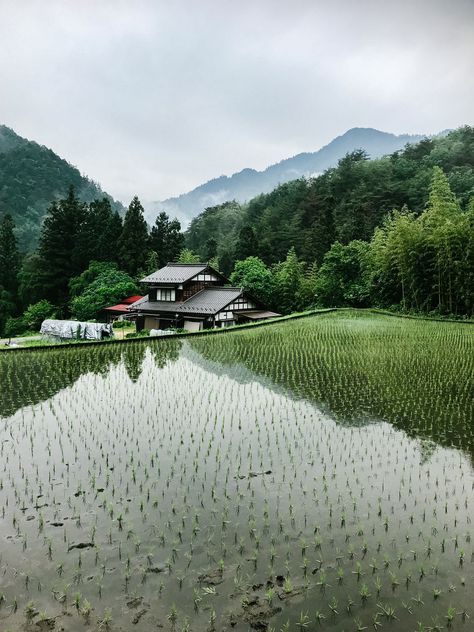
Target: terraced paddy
{"type": "Point", "coordinates": [313, 474]}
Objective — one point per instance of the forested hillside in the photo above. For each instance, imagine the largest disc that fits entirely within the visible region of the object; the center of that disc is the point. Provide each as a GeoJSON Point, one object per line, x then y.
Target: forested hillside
{"type": "Point", "coordinates": [344, 203]}
{"type": "Point", "coordinates": [248, 183]}
{"type": "Point", "coordinates": [396, 232]}
{"type": "Point", "coordinates": [31, 177]}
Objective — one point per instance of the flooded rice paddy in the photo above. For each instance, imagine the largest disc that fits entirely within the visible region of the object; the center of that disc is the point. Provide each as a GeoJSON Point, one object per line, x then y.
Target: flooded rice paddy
{"type": "Point", "coordinates": [311, 475]}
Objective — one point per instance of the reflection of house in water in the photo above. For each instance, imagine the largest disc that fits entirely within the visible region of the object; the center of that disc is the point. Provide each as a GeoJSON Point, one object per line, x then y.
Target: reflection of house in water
{"type": "Point", "coordinates": [194, 297]}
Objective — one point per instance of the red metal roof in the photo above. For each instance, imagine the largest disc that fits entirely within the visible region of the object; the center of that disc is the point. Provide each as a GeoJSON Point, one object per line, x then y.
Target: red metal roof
{"type": "Point", "coordinates": [131, 299]}
{"type": "Point", "coordinates": [117, 308]}
{"type": "Point", "coordinates": [124, 305]}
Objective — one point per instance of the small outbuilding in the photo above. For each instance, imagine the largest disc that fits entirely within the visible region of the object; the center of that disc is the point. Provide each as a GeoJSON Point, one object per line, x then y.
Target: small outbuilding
{"type": "Point", "coordinates": [121, 310]}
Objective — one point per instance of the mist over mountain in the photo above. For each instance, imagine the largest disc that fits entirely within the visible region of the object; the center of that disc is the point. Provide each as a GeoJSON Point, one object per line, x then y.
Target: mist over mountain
{"type": "Point", "coordinates": [31, 177]}
{"type": "Point", "coordinates": [245, 184]}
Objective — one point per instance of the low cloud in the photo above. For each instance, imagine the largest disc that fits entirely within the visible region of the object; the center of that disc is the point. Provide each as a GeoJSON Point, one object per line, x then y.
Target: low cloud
{"type": "Point", "coordinates": [156, 97]}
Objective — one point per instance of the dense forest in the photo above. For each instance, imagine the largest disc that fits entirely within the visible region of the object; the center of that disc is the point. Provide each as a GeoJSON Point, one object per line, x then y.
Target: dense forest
{"type": "Point", "coordinates": [396, 232]}
{"type": "Point", "coordinates": [248, 183]}
{"type": "Point", "coordinates": [31, 177]}
{"type": "Point", "coordinates": [344, 203]}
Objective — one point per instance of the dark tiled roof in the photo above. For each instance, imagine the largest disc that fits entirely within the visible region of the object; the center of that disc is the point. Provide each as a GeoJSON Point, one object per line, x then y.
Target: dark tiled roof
{"type": "Point", "coordinates": [210, 300]}
{"type": "Point", "coordinates": [155, 306]}
{"type": "Point", "coordinates": [175, 273]}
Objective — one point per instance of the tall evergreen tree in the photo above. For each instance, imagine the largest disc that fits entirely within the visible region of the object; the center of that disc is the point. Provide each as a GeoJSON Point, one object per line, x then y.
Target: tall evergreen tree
{"type": "Point", "coordinates": [211, 249]}
{"type": "Point", "coordinates": [166, 239]}
{"type": "Point", "coordinates": [61, 255]}
{"type": "Point", "coordinates": [133, 243]}
{"type": "Point", "coordinates": [246, 244]}
{"type": "Point", "coordinates": [101, 231]}
{"type": "Point", "coordinates": [9, 256]}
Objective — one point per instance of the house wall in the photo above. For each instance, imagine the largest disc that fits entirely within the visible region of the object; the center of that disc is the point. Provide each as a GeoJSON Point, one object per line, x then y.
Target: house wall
{"type": "Point", "coordinates": [193, 325]}
{"type": "Point", "coordinates": [158, 322]}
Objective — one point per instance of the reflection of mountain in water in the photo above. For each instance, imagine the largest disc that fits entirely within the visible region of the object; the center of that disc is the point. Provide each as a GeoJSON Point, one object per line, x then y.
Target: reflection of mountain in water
{"type": "Point", "coordinates": [410, 380]}
{"type": "Point", "coordinates": [28, 378]}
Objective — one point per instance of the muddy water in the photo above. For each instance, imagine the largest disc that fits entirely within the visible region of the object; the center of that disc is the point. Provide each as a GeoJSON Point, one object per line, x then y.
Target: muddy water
{"type": "Point", "coordinates": [193, 486]}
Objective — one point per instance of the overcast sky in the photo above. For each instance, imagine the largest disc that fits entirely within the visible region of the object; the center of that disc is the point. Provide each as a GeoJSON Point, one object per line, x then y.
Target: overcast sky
{"type": "Point", "coordinates": [155, 97]}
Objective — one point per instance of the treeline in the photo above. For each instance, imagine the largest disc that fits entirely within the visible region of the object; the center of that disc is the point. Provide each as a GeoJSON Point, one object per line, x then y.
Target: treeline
{"type": "Point", "coordinates": [329, 222]}
{"type": "Point", "coordinates": [396, 232]}
{"type": "Point", "coordinates": [419, 263]}
{"type": "Point", "coordinates": [343, 204]}
{"type": "Point", "coordinates": [87, 257]}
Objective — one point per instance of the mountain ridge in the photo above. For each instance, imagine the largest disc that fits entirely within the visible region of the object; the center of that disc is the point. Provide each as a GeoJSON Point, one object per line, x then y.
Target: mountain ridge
{"type": "Point", "coordinates": [31, 177]}
{"type": "Point", "coordinates": [247, 183]}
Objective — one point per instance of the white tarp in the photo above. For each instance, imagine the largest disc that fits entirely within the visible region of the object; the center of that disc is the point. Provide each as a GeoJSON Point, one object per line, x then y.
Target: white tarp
{"type": "Point", "coordinates": [70, 329]}
{"type": "Point", "coordinates": [161, 332]}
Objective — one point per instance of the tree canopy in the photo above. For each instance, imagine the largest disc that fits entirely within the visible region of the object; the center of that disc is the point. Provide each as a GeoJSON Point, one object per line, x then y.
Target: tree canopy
{"type": "Point", "coordinates": [98, 287]}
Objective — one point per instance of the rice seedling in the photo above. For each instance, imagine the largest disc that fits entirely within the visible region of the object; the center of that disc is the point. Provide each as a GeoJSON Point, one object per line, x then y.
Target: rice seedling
{"type": "Point", "coordinates": [250, 475]}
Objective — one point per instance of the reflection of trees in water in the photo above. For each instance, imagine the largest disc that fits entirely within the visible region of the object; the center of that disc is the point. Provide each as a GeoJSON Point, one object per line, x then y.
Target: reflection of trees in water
{"type": "Point", "coordinates": [163, 352]}
{"type": "Point", "coordinates": [417, 377]}
{"type": "Point", "coordinates": [34, 376]}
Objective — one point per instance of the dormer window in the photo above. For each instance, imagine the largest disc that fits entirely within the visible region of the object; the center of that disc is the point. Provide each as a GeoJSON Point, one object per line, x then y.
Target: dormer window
{"type": "Point", "coordinates": [165, 294]}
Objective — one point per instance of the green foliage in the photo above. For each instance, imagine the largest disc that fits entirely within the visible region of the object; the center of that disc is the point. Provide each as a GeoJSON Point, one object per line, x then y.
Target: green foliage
{"type": "Point", "coordinates": [31, 177]}
{"type": "Point", "coordinates": [36, 313]}
{"type": "Point", "coordinates": [15, 327]}
{"type": "Point", "coordinates": [288, 284]}
{"type": "Point", "coordinates": [7, 308]}
{"type": "Point", "coordinates": [108, 287]}
{"type": "Point", "coordinates": [77, 285]}
{"type": "Point", "coordinates": [152, 263]}
{"type": "Point", "coordinates": [216, 222]}
{"type": "Point", "coordinates": [187, 256]}
{"type": "Point", "coordinates": [253, 275]}
{"type": "Point", "coordinates": [132, 244]}
{"type": "Point", "coordinates": [143, 333]}
{"type": "Point", "coordinates": [30, 289]}
{"type": "Point", "coordinates": [341, 280]}
{"type": "Point", "coordinates": [61, 255]}
{"type": "Point", "coordinates": [166, 240]}
{"type": "Point", "coordinates": [247, 243]}
{"type": "Point", "coordinates": [9, 255]}
{"type": "Point", "coordinates": [426, 263]}
{"type": "Point", "coordinates": [9, 268]}
{"type": "Point", "coordinates": [344, 203]}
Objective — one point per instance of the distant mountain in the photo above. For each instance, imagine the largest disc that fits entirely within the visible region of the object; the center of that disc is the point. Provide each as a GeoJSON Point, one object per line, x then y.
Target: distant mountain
{"type": "Point", "coordinates": [245, 184]}
{"type": "Point", "coordinates": [31, 176]}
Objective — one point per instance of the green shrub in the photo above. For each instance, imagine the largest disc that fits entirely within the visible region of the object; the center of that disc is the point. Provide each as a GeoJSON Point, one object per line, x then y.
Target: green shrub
{"type": "Point", "coordinates": [35, 314]}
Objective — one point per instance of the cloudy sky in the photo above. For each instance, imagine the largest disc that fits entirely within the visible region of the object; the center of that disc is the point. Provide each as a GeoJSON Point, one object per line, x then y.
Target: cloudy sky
{"type": "Point", "coordinates": [155, 97]}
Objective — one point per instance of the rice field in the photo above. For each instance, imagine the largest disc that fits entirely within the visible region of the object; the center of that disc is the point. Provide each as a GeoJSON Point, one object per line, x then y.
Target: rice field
{"type": "Point", "coordinates": [314, 474]}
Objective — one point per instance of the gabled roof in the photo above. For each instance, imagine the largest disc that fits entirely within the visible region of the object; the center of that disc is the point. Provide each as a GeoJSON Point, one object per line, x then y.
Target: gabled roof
{"type": "Point", "coordinates": [210, 300]}
{"type": "Point", "coordinates": [175, 273]}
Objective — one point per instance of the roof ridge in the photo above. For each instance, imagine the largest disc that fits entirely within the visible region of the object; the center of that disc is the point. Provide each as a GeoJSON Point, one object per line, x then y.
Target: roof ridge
{"type": "Point", "coordinates": [187, 265]}
{"type": "Point", "coordinates": [223, 287]}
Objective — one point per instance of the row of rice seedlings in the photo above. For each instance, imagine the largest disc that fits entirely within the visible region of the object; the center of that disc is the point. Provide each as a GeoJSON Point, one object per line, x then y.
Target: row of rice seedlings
{"type": "Point", "coordinates": [189, 490]}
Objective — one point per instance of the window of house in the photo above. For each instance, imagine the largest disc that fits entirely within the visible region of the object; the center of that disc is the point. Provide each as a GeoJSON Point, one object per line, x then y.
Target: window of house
{"type": "Point", "coordinates": [165, 295]}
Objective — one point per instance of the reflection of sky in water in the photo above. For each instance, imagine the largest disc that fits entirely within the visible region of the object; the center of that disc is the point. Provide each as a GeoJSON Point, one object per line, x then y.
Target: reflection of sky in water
{"type": "Point", "coordinates": [167, 440]}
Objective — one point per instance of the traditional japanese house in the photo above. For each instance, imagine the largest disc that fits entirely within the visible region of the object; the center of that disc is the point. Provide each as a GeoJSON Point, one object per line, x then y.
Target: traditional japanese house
{"type": "Point", "coordinates": [194, 297]}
